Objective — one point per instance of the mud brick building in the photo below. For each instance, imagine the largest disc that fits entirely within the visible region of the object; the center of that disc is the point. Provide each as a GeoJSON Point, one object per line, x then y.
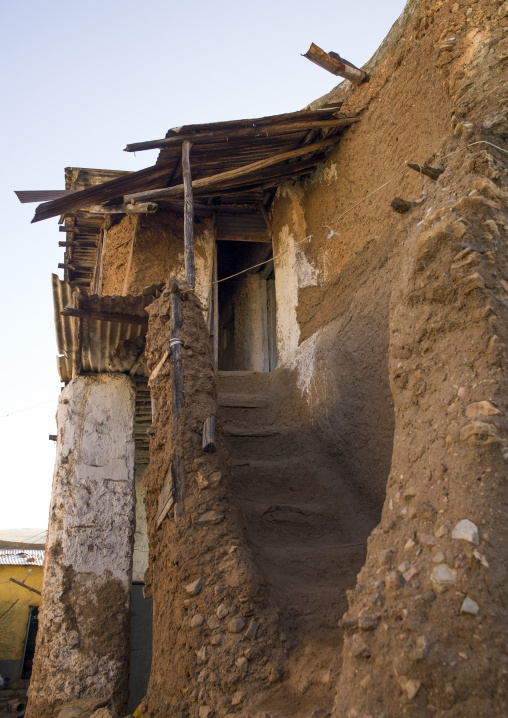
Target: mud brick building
{"type": "Point", "coordinates": [284, 413]}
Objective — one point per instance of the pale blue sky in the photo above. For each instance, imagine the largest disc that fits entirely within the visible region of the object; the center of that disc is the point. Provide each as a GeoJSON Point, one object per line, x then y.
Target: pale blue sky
{"type": "Point", "coordinates": [81, 80]}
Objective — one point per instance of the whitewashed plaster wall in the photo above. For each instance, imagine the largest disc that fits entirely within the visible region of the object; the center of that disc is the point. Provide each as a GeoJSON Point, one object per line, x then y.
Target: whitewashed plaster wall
{"type": "Point", "coordinates": [83, 639]}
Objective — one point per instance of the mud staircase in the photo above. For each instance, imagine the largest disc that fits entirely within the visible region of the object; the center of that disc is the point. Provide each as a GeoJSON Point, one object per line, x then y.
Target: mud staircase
{"type": "Point", "coordinates": [306, 527]}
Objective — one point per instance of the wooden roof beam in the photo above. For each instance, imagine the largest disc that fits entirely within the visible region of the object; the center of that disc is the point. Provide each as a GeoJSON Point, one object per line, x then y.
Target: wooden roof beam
{"type": "Point", "coordinates": [223, 177]}
{"type": "Point", "coordinates": [273, 130]}
{"type": "Point", "coordinates": [336, 64]}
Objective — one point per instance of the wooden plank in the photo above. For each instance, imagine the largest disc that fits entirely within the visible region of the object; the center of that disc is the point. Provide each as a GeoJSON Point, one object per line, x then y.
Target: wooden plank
{"type": "Point", "coordinates": [237, 431]}
{"type": "Point", "coordinates": [188, 217]}
{"type": "Point", "coordinates": [28, 588]}
{"type": "Point", "coordinates": [336, 64]}
{"type": "Point", "coordinates": [269, 119]}
{"type": "Point", "coordinates": [208, 440]}
{"type": "Point", "coordinates": [252, 132]}
{"type": "Point", "coordinates": [433, 172]}
{"type": "Point", "coordinates": [244, 171]}
{"type": "Point", "coordinates": [166, 499]}
{"type": "Point", "coordinates": [241, 401]}
{"type": "Point", "coordinates": [177, 395]}
{"type": "Point", "coordinates": [105, 192]}
{"type": "Point", "coordinates": [105, 316]}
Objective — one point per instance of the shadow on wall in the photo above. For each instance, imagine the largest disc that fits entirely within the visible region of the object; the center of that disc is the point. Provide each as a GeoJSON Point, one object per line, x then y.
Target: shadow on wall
{"type": "Point", "coordinates": [343, 373]}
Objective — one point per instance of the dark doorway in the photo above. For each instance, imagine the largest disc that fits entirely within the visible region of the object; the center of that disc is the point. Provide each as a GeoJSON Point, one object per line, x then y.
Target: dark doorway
{"type": "Point", "coordinates": [31, 635]}
{"type": "Point", "coordinates": [247, 307]}
{"type": "Point", "coordinates": [141, 646]}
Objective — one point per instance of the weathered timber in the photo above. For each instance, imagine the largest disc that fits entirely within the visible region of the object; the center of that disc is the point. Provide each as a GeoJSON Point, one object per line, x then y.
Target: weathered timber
{"type": "Point", "coordinates": [177, 395]}
{"type": "Point", "coordinates": [52, 437]}
{"type": "Point", "coordinates": [208, 443]}
{"type": "Point", "coordinates": [336, 64]}
{"type": "Point", "coordinates": [66, 265]}
{"type": "Point", "coordinates": [105, 192]}
{"type": "Point", "coordinates": [255, 131]}
{"type": "Point", "coordinates": [78, 338]}
{"type": "Point", "coordinates": [188, 217]}
{"type": "Point", "coordinates": [166, 499]}
{"type": "Point", "coordinates": [140, 208]}
{"type": "Point", "coordinates": [105, 316]}
{"type": "Point", "coordinates": [84, 245]}
{"type": "Point", "coordinates": [433, 172]}
{"type": "Point", "coordinates": [28, 588]}
{"type": "Point", "coordinates": [268, 120]}
{"type": "Point", "coordinates": [206, 210]}
{"type": "Point", "coordinates": [401, 205]}
{"type": "Point", "coordinates": [153, 376]}
{"type": "Point", "coordinates": [267, 219]}
{"type": "Point", "coordinates": [243, 171]}
{"type": "Point", "coordinates": [135, 367]}
{"type": "Point", "coordinates": [270, 177]}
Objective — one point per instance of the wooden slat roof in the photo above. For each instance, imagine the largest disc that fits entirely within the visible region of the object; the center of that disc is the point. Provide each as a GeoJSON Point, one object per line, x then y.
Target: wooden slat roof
{"type": "Point", "coordinates": [216, 148]}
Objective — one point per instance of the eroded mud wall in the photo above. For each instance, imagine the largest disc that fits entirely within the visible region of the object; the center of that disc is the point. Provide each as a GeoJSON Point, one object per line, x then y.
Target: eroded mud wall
{"type": "Point", "coordinates": [83, 640]}
{"type": "Point", "coordinates": [212, 618]}
{"type": "Point", "coordinates": [156, 255]}
{"type": "Point", "coordinates": [402, 330]}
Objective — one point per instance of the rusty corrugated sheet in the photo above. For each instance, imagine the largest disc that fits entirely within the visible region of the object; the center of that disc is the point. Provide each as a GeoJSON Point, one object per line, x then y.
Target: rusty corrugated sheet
{"type": "Point", "coordinates": [21, 557]}
{"type": "Point", "coordinates": [105, 346]}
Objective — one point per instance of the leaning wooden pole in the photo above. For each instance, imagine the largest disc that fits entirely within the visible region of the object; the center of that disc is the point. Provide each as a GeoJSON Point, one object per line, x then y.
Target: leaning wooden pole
{"type": "Point", "coordinates": [188, 223]}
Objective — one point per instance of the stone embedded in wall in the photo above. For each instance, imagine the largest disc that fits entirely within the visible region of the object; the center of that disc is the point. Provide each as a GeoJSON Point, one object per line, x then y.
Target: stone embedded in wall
{"type": "Point", "coordinates": [83, 640]}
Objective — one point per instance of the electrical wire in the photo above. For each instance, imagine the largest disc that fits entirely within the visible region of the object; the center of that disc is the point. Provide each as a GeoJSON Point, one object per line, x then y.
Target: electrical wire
{"type": "Point", "coordinates": [28, 408]}
{"type": "Point", "coordinates": [309, 237]}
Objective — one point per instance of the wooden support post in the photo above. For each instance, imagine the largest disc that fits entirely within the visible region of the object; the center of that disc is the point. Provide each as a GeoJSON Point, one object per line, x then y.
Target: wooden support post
{"type": "Point", "coordinates": [401, 205]}
{"type": "Point", "coordinates": [432, 172]}
{"type": "Point", "coordinates": [177, 396]}
{"type": "Point", "coordinates": [209, 444]}
{"type": "Point", "coordinates": [190, 272]}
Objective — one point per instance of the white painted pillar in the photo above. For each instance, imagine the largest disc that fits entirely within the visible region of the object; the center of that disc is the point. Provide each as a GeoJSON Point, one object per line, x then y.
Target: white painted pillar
{"type": "Point", "coordinates": [83, 639]}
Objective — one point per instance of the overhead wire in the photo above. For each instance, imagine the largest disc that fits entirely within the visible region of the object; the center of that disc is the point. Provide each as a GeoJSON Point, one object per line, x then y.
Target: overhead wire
{"type": "Point", "coordinates": [350, 209]}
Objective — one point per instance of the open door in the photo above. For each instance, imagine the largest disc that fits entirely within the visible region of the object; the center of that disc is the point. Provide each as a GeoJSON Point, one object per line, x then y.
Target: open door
{"type": "Point", "coordinates": [246, 308]}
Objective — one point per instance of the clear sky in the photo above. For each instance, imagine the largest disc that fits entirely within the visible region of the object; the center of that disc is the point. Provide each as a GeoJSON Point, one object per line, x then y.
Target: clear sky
{"type": "Point", "coordinates": [80, 81]}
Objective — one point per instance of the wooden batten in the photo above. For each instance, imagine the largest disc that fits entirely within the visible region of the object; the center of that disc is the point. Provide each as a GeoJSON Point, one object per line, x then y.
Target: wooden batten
{"type": "Point", "coordinates": [223, 177]}
{"type": "Point", "coordinates": [188, 217]}
{"type": "Point", "coordinates": [253, 132]}
{"type": "Point", "coordinates": [104, 316]}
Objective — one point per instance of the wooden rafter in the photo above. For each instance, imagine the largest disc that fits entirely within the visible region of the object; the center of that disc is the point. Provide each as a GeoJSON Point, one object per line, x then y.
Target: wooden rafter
{"type": "Point", "coordinates": [255, 131]}
{"type": "Point", "coordinates": [223, 177]}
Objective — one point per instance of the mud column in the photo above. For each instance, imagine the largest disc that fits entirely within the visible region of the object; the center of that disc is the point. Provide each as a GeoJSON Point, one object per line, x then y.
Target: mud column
{"type": "Point", "coordinates": [83, 640]}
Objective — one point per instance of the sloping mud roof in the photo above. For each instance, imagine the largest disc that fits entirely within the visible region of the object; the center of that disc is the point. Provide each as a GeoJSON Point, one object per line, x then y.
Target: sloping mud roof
{"type": "Point", "coordinates": [218, 148]}
{"type": "Point", "coordinates": [107, 335]}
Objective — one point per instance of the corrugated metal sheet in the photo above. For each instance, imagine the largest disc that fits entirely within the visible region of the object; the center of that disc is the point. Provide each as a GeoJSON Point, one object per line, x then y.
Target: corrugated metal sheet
{"type": "Point", "coordinates": [21, 557]}
{"type": "Point", "coordinates": [104, 345]}
{"type": "Point", "coordinates": [143, 422]}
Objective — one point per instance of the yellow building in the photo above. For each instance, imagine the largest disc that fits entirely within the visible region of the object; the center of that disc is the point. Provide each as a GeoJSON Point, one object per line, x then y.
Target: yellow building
{"type": "Point", "coordinates": [20, 589]}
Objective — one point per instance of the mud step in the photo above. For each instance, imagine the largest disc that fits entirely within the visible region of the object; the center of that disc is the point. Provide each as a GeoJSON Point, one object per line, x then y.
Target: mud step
{"type": "Point", "coordinates": [242, 401]}
{"type": "Point", "coordinates": [246, 431]}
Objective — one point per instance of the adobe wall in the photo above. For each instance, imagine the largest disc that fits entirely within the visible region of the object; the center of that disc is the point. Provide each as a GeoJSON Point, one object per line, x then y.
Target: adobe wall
{"type": "Point", "coordinates": [395, 327]}
{"type": "Point", "coordinates": [157, 253]}
{"type": "Point", "coordinates": [83, 642]}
